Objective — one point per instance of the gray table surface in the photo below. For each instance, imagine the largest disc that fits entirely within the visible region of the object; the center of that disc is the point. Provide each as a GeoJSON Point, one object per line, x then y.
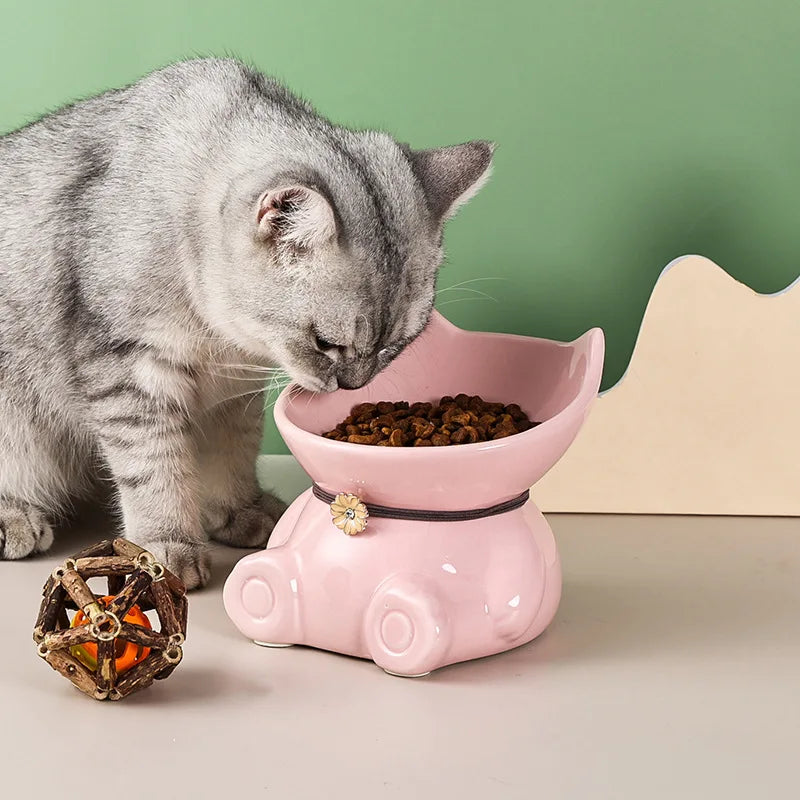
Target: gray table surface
{"type": "Point", "coordinates": [671, 671]}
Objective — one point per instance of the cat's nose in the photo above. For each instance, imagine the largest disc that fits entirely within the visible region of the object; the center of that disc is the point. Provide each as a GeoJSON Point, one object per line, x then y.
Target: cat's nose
{"type": "Point", "coordinates": [350, 383]}
{"type": "Point", "coordinates": [353, 373]}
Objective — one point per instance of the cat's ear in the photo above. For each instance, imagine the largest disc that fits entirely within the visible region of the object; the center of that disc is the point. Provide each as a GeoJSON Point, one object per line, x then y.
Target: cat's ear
{"type": "Point", "coordinates": [295, 215]}
{"type": "Point", "coordinates": [450, 176]}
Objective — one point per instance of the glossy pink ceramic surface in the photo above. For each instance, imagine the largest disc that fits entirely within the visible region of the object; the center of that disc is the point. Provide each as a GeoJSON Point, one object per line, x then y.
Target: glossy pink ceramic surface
{"type": "Point", "coordinates": [414, 596]}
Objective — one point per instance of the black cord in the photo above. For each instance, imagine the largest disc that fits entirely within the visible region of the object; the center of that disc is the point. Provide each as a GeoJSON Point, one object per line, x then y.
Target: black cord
{"type": "Point", "coordinates": [432, 516]}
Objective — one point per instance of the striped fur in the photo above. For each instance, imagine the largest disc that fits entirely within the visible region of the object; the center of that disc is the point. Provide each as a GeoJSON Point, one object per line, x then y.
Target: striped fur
{"type": "Point", "coordinates": [162, 247]}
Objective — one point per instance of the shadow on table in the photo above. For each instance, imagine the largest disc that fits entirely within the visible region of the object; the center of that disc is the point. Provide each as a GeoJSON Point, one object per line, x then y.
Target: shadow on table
{"type": "Point", "coordinates": [615, 621]}
{"type": "Point", "coordinates": [194, 683]}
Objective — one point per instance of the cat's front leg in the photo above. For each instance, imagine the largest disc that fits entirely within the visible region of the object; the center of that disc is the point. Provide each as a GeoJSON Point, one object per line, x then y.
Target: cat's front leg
{"type": "Point", "coordinates": [149, 448]}
{"type": "Point", "coordinates": [236, 511]}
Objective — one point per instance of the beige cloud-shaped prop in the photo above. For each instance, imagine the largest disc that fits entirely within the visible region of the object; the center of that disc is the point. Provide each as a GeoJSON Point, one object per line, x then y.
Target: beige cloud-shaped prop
{"type": "Point", "coordinates": [706, 420]}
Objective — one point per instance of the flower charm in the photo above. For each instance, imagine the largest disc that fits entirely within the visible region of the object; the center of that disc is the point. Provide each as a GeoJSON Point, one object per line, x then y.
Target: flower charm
{"type": "Point", "coordinates": [349, 514]}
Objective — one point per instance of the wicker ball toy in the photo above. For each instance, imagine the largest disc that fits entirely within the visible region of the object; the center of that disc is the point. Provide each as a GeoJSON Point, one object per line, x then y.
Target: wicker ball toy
{"type": "Point", "coordinates": [108, 647]}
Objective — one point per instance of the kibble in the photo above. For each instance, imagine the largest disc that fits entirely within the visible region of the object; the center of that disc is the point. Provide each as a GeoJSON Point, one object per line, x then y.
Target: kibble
{"type": "Point", "coordinates": [462, 419]}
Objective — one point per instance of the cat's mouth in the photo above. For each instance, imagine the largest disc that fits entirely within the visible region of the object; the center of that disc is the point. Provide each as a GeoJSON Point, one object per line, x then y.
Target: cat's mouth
{"type": "Point", "coordinates": [312, 383]}
{"type": "Point", "coordinates": [333, 382]}
{"type": "Point", "coordinates": [322, 374]}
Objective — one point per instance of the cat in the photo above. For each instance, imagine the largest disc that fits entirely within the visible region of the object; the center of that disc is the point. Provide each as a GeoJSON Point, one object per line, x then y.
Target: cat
{"type": "Point", "coordinates": [166, 245]}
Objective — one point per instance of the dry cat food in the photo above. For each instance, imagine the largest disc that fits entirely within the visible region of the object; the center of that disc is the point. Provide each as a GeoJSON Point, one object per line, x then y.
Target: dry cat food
{"type": "Point", "coordinates": [453, 420]}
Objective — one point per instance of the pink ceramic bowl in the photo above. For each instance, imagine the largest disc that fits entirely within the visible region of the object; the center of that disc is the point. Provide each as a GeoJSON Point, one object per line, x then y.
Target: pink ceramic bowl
{"type": "Point", "coordinates": [417, 595]}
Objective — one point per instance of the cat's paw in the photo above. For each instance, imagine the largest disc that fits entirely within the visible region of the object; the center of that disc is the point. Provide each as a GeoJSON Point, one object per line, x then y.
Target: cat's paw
{"type": "Point", "coordinates": [24, 529]}
{"type": "Point", "coordinates": [252, 524]}
{"type": "Point", "coordinates": [190, 561]}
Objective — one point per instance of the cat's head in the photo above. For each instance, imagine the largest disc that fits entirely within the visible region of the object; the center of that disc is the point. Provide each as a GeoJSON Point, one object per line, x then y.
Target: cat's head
{"type": "Point", "coordinates": [332, 270]}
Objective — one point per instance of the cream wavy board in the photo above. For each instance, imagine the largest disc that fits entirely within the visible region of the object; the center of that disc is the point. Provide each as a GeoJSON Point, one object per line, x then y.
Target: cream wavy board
{"type": "Point", "coordinates": [706, 420]}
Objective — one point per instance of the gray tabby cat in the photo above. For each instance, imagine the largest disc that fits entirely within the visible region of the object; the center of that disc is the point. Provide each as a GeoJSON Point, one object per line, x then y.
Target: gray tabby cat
{"type": "Point", "coordinates": [160, 246]}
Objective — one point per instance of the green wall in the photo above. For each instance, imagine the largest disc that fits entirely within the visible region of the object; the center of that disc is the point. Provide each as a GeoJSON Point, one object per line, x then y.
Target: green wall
{"type": "Point", "coordinates": [629, 132]}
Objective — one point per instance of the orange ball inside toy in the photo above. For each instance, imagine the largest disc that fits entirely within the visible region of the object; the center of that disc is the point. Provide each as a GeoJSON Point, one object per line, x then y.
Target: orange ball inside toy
{"type": "Point", "coordinates": [127, 654]}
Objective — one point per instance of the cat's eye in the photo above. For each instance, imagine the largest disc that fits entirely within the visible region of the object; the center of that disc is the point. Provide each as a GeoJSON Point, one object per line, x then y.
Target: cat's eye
{"type": "Point", "coordinates": [324, 345]}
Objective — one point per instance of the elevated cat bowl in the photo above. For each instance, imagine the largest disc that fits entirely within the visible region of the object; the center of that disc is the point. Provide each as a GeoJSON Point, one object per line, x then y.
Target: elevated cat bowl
{"type": "Point", "coordinates": [414, 595]}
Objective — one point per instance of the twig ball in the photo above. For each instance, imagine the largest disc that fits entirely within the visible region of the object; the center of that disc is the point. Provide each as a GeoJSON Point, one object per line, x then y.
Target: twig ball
{"type": "Point", "coordinates": [109, 647]}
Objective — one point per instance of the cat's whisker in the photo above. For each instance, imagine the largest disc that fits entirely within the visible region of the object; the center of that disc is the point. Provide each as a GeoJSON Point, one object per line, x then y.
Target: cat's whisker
{"type": "Point", "coordinates": [271, 405]}
{"type": "Point", "coordinates": [250, 367]}
{"type": "Point", "coordinates": [470, 280]}
{"type": "Point", "coordinates": [264, 395]}
{"type": "Point", "coordinates": [250, 378]}
{"type": "Point", "coordinates": [465, 299]}
{"type": "Point", "coordinates": [235, 397]}
{"type": "Point", "coordinates": [294, 390]}
{"type": "Point", "coordinates": [277, 387]}
{"type": "Point", "coordinates": [308, 399]}
{"type": "Point", "coordinates": [471, 291]}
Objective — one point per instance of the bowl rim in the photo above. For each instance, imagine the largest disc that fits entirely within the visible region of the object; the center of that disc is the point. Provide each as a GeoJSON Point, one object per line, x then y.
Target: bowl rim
{"type": "Point", "coordinates": [594, 338]}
